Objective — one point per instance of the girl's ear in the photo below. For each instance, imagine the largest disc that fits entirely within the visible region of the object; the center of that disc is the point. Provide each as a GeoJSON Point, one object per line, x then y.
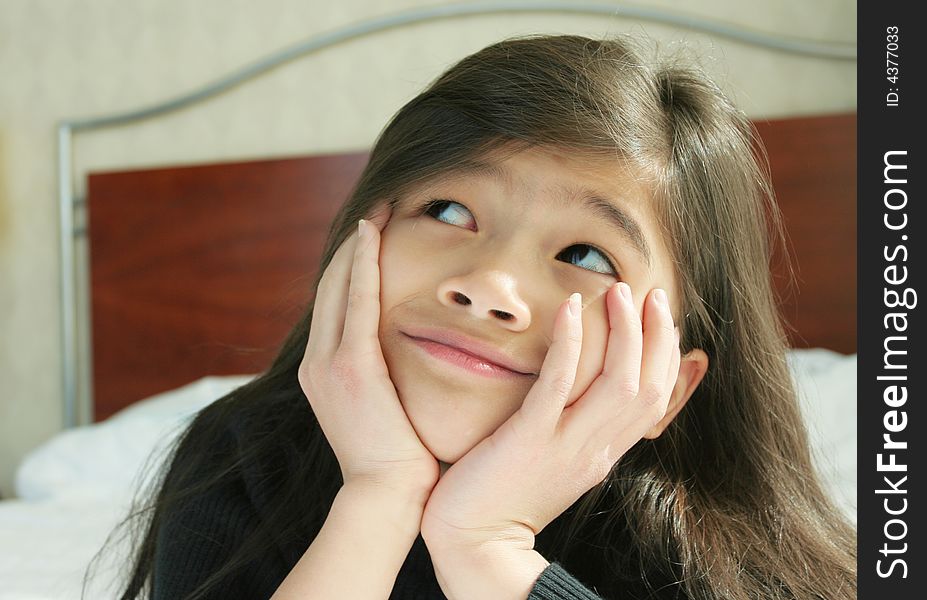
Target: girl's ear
{"type": "Point", "coordinates": [692, 368]}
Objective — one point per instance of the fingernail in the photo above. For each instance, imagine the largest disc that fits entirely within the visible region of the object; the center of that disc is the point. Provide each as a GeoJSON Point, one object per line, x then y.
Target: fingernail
{"type": "Point", "coordinates": [576, 303]}
{"type": "Point", "coordinates": [676, 334]}
{"type": "Point", "coordinates": [625, 290]}
{"type": "Point", "coordinates": [361, 228]}
{"type": "Point", "coordinates": [659, 295]}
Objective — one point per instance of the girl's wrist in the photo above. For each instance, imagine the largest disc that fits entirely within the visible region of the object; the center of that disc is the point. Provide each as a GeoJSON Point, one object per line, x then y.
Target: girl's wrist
{"type": "Point", "coordinates": [491, 570]}
{"type": "Point", "coordinates": [412, 484]}
{"type": "Point", "coordinates": [364, 526]}
{"type": "Point", "coordinates": [395, 499]}
{"type": "Point", "coordinates": [390, 517]}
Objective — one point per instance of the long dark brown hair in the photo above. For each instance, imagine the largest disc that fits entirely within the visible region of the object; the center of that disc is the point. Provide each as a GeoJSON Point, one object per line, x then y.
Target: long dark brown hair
{"type": "Point", "coordinates": [726, 503]}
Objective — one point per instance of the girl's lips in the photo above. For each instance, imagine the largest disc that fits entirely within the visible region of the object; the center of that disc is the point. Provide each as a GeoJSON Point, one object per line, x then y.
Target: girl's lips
{"type": "Point", "coordinates": [468, 362]}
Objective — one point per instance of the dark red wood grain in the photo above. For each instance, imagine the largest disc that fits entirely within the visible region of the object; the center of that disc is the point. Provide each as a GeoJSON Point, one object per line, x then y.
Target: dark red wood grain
{"type": "Point", "coordinates": [203, 270]}
{"type": "Point", "coordinates": [813, 164]}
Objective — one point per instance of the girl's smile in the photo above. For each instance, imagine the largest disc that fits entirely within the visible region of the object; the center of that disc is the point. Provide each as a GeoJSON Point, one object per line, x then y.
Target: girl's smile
{"type": "Point", "coordinates": [464, 360]}
{"type": "Point", "coordinates": [468, 354]}
{"type": "Point", "coordinates": [478, 262]}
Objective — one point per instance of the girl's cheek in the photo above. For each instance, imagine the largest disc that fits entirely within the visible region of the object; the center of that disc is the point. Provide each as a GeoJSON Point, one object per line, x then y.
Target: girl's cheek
{"type": "Point", "coordinates": [392, 264]}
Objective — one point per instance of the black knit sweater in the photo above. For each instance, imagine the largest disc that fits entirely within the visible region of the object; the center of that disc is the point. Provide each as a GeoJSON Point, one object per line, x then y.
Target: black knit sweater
{"type": "Point", "coordinates": [193, 544]}
{"type": "Point", "coordinates": [198, 538]}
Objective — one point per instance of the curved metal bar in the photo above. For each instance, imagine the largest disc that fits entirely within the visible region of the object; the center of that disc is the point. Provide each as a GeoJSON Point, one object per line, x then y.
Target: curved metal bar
{"type": "Point", "coordinates": [68, 295]}
{"type": "Point", "coordinates": [766, 40]}
{"type": "Point", "coordinates": [68, 128]}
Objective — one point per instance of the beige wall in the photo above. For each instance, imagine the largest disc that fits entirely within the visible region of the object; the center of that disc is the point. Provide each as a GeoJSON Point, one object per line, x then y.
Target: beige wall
{"type": "Point", "coordinates": [68, 59]}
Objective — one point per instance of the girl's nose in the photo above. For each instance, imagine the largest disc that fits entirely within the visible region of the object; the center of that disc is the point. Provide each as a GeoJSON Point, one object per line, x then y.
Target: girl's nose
{"type": "Point", "coordinates": [487, 294]}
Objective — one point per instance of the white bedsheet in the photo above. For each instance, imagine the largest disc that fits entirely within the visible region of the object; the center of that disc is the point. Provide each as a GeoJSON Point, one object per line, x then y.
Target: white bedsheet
{"type": "Point", "coordinates": [46, 545]}
{"type": "Point", "coordinates": [75, 488]}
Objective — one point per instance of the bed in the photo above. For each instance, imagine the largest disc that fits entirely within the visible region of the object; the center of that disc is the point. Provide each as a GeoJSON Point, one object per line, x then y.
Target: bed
{"type": "Point", "coordinates": [192, 289]}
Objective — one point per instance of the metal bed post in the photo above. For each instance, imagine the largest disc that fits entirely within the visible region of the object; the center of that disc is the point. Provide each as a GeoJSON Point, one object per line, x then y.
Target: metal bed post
{"type": "Point", "coordinates": [68, 295]}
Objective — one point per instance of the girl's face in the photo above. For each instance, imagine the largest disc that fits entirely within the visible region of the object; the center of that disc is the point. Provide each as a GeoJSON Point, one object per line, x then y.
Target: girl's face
{"type": "Point", "coordinates": [488, 256]}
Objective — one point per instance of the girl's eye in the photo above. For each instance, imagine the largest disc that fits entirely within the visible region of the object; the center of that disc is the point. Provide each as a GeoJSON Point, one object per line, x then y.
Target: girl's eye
{"type": "Point", "coordinates": [448, 211]}
{"type": "Point", "coordinates": [582, 252]}
{"type": "Point", "coordinates": [457, 214]}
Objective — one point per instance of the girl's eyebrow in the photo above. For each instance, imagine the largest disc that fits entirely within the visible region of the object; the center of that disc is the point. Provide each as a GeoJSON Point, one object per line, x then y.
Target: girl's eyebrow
{"type": "Point", "coordinates": [564, 197]}
{"type": "Point", "coordinates": [614, 216]}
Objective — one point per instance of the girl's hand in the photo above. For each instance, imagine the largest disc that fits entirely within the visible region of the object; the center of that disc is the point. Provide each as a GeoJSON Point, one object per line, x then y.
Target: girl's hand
{"type": "Point", "coordinates": [346, 380]}
{"type": "Point", "coordinates": [544, 457]}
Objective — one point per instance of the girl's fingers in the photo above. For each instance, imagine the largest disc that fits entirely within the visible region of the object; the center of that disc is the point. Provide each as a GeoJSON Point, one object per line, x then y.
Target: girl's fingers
{"type": "Point", "coordinates": [620, 376]}
{"type": "Point", "coordinates": [330, 299]}
{"type": "Point", "coordinates": [641, 367]}
{"type": "Point", "coordinates": [363, 308]}
{"type": "Point", "coordinates": [622, 366]}
{"type": "Point", "coordinates": [659, 347]}
{"type": "Point", "coordinates": [545, 401]}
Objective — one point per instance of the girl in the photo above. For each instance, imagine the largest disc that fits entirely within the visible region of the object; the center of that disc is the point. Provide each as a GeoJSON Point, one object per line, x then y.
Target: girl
{"type": "Point", "coordinates": [546, 364]}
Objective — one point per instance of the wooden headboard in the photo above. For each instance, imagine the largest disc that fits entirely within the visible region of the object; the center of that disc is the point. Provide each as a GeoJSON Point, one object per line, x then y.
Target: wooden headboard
{"type": "Point", "coordinates": [203, 270]}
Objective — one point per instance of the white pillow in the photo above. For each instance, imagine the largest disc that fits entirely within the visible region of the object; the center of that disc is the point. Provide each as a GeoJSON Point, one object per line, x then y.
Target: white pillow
{"type": "Point", "coordinates": [103, 459]}
{"type": "Point", "coordinates": [826, 383]}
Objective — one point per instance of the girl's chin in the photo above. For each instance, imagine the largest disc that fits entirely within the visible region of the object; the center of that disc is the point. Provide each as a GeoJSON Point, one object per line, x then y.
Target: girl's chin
{"type": "Point", "coordinates": [449, 454]}
{"type": "Point", "coordinates": [446, 431]}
